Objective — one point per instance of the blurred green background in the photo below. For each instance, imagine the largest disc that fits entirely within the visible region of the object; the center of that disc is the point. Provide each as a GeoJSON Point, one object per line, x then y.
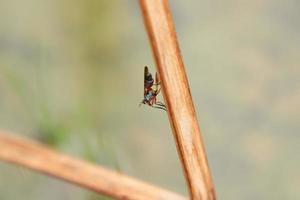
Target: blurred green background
{"type": "Point", "coordinates": [71, 76]}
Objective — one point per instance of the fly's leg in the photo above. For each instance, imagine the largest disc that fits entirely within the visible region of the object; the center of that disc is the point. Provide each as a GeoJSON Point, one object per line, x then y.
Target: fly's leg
{"type": "Point", "coordinates": [160, 103]}
{"type": "Point", "coordinates": [143, 102]}
{"type": "Point", "coordinates": [157, 83]}
{"type": "Point", "coordinates": [160, 107]}
{"type": "Point", "coordinates": [151, 102]}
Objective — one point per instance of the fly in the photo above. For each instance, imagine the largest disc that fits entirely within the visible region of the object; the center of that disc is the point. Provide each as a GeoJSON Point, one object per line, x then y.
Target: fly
{"type": "Point", "coordinates": [151, 90]}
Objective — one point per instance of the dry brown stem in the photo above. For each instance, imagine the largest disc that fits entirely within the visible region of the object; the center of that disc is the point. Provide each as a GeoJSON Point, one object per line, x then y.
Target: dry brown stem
{"type": "Point", "coordinates": [181, 111]}
{"type": "Point", "coordinates": [40, 158]}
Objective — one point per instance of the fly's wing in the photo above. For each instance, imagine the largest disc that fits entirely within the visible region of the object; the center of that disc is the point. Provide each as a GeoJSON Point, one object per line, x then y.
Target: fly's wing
{"type": "Point", "coordinates": [146, 71]}
{"type": "Point", "coordinates": [148, 80]}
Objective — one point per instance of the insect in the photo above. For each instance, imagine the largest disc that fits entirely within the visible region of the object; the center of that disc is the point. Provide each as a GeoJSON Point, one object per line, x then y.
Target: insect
{"type": "Point", "coordinates": [151, 90]}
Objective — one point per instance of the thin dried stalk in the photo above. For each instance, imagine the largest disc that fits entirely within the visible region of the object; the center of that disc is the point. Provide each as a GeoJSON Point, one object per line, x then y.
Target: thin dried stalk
{"type": "Point", "coordinates": [181, 111]}
{"type": "Point", "coordinates": [41, 158]}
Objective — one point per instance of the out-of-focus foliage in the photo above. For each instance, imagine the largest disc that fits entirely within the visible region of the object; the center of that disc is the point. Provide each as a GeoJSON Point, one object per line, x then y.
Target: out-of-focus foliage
{"type": "Point", "coordinates": [71, 77]}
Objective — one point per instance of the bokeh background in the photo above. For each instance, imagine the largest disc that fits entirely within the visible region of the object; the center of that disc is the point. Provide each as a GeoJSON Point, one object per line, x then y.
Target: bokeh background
{"type": "Point", "coordinates": [71, 76]}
